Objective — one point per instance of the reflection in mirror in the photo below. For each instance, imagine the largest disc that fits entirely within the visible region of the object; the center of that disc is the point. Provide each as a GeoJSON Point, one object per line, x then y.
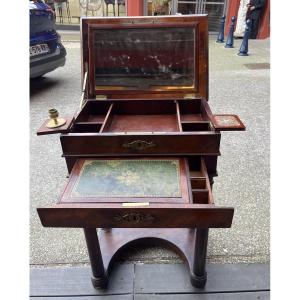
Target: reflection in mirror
{"type": "Point", "coordinates": [145, 58]}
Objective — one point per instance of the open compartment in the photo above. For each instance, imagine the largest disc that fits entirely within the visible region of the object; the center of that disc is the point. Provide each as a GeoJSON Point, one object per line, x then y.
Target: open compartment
{"type": "Point", "coordinates": [143, 180]}
{"type": "Point", "coordinates": [142, 116]}
{"type": "Point", "coordinates": [87, 127]}
{"type": "Point", "coordinates": [93, 112]}
{"type": "Point", "coordinates": [196, 126]}
{"type": "Point", "coordinates": [190, 110]}
{"type": "Point", "coordinates": [91, 117]}
{"type": "Point", "coordinates": [191, 116]}
{"type": "Point", "coordinates": [140, 127]}
{"type": "Point", "coordinates": [126, 116]}
{"type": "Point", "coordinates": [151, 116]}
{"type": "Point", "coordinates": [200, 185]}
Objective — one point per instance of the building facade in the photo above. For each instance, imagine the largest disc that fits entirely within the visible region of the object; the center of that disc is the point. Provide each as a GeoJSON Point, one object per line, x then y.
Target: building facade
{"type": "Point", "coordinates": [69, 12]}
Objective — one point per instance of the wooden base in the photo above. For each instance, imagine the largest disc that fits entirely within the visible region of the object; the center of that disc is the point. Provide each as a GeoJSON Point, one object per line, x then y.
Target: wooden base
{"type": "Point", "coordinates": [189, 244]}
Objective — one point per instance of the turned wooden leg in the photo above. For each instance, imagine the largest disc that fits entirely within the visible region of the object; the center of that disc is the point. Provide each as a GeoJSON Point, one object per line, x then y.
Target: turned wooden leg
{"type": "Point", "coordinates": [99, 278]}
{"type": "Point", "coordinates": [198, 274]}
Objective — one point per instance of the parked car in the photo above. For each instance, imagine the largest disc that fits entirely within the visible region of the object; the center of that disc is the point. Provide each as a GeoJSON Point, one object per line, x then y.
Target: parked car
{"type": "Point", "coordinates": [46, 50]}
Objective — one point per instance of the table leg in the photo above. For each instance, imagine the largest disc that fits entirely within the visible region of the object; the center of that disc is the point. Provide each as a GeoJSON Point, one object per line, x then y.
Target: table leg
{"type": "Point", "coordinates": [198, 274]}
{"type": "Point", "coordinates": [99, 278]}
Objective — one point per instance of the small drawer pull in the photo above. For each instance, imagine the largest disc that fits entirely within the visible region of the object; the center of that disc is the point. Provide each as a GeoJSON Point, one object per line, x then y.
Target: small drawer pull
{"type": "Point", "coordinates": [139, 145]}
{"type": "Point", "coordinates": [134, 217]}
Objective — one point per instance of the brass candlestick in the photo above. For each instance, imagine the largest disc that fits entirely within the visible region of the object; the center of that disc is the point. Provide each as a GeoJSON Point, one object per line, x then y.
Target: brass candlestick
{"type": "Point", "coordinates": [55, 121]}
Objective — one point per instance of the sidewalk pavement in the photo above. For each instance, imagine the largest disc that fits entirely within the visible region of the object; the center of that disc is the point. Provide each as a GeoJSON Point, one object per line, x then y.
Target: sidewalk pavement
{"type": "Point", "coordinates": [156, 282]}
{"type": "Point", "coordinates": [243, 168]}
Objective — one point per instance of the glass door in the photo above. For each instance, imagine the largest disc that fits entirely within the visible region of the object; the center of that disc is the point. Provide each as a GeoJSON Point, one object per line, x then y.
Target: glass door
{"type": "Point", "coordinates": [214, 8]}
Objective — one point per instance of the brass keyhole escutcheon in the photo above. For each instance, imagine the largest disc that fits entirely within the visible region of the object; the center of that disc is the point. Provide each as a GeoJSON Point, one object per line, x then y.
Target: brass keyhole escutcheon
{"type": "Point", "coordinates": [54, 120]}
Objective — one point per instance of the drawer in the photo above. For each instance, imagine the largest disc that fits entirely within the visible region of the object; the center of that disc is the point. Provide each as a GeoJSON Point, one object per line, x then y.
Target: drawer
{"type": "Point", "coordinates": [154, 216]}
{"type": "Point", "coordinates": [202, 143]}
{"type": "Point", "coordinates": [172, 127]}
{"type": "Point", "coordinates": [137, 193]}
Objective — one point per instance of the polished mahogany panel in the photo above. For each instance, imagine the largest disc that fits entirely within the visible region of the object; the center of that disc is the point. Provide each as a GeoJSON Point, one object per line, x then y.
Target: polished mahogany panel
{"type": "Point", "coordinates": [149, 56]}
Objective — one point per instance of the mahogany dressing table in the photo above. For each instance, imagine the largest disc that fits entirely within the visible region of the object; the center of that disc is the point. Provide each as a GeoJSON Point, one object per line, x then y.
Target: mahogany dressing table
{"type": "Point", "coordinates": [142, 149]}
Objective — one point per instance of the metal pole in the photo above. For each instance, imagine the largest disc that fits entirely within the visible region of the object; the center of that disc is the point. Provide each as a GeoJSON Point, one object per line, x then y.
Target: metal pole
{"type": "Point", "coordinates": [244, 46]}
{"type": "Point", "coordinates": [220, 38]}
{"type": "Point", "coordinates": [229, 41]}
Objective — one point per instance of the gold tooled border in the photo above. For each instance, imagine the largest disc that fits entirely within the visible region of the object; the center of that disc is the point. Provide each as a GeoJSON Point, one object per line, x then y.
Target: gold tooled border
{"type": "Point", "coordinates": [74, 194]}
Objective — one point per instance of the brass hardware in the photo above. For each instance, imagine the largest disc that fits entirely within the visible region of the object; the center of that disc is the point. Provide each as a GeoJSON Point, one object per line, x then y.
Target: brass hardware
{"type": "Point", "coordinates": [190, 96]}
{"type": "Point", "coordinates": [55, 121]}
{"type": "Point", "coordinates": [135, 204]}
{"type": "Point", "coordinates": [81, 101]}
{"type": "Point", "coordinates": [156, 88]}
{"type": "Point", "coordinates": [83, 90]}
{"type": "Point", "coordinates": [84, 81]}
{"type": "Point", "coordinates": [133, 217]}
{"type": "Point", "coordinates": [139, 145]}
{"type": "Point", "coordinates": [101, 97]}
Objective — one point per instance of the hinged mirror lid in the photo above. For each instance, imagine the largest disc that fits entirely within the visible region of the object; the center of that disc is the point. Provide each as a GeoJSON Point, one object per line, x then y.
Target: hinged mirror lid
{"type": "Point", "coordinates": [145, 57]}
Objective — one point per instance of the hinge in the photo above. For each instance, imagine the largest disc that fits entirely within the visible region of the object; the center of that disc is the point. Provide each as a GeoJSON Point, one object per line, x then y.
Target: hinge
{"type": "Point", "coordinates": [189, 96]}
{"type": "Point", "coordinates": [82, 98]}
{"type": "Point", "coordinates": [101, 97]}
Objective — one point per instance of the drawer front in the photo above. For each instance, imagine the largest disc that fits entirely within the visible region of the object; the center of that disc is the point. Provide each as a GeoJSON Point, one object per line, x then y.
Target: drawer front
{"type": "Point", "coordinates": [107, 145]}
{"type": "Point", "coordinates": [155, 216]}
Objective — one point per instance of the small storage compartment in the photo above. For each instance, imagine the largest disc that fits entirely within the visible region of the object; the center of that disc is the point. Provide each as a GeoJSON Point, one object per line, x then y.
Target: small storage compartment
{"type": "Point", "coordinates": [196, 126]}
{"type": "Point", "coordinates": [91, 117]}
{"type": "Point", "coordinates": [185, 118]}
{"type": "Point", "coordinates": [190, 116]}
{"type": "Point", "coordinates": [93, 111]}
{"type": "Point", "coordinates": [200, 185]}
{"type": "Point", "coordinates": [87, 127]}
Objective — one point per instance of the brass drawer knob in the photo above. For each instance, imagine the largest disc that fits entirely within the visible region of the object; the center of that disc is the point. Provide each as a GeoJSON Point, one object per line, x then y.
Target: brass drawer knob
{"type": "Point", "coordinates": [133, 217]}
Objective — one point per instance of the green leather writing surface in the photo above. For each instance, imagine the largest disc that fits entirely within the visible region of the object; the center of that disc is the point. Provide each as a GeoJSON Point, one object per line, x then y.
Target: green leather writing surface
{"type": "Point", "coordinates": [128, 178]}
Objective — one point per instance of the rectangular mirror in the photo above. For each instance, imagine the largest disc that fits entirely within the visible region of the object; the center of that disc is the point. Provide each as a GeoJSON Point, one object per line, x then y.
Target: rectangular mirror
{"type": "Point", "coordinates": [157, 59]}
